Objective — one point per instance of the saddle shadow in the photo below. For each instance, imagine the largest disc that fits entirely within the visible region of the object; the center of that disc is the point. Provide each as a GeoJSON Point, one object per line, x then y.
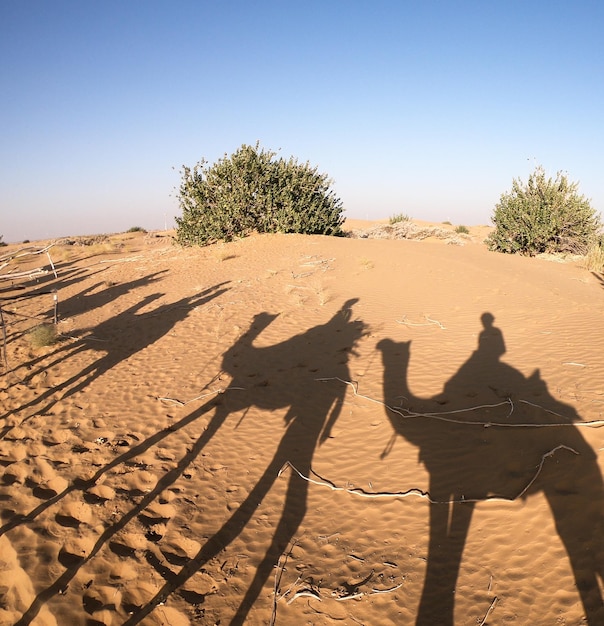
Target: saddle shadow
{"type": "Point", "coordinates": [517, 441]}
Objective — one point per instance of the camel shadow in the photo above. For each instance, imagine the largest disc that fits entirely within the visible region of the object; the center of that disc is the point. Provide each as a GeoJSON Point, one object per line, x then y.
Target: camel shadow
{"type": "Point", "coordinates": [280, 376]}
{"type": "Point", "coordinates": [142, 330]}
{"type": "Point", "coordinates": [90, 298]}
{"type": "Point", "coordinates": [517, 441]}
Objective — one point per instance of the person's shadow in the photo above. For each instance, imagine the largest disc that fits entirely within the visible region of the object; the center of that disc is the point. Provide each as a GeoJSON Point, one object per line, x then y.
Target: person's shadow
{"type": "Point", "coordinates": [520, 441]}
{"type": "Point", "coordinates": [282, 375]}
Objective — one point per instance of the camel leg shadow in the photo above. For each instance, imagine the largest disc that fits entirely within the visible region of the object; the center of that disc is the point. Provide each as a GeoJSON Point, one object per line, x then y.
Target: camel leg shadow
{"type": "Point", "coordinates": [449, 525]}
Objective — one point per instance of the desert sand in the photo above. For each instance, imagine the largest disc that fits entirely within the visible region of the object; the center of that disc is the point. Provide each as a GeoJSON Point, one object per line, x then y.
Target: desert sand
{"type": "Point", "coordinates": [299, 429]}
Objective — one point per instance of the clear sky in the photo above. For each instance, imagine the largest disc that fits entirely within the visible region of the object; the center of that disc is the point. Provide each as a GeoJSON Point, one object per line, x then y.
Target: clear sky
{"type": "Point", "coordinates": [427, 107]}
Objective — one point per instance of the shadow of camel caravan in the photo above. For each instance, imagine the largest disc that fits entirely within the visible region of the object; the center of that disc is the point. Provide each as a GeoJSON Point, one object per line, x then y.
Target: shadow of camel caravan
{"type": "Point", "coordinates": [505, 449]}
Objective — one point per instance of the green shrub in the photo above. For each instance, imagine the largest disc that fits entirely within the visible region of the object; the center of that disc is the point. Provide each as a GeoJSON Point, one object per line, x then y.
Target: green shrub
{"type": "Point", "coordinates": [251, 191]}
{"type": "Point", "coordinates": [543, 215]}
{"type": "Point", "coordinates": [462, 230]}
{"type": "Point", "coordinates": [136, 229]}
{"type": "Point", "coordinates": [399, 217]}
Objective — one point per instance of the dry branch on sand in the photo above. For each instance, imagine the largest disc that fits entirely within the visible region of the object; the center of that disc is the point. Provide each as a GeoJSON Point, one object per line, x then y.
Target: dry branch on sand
{"type": "Point", "coordinates": [17, 256]}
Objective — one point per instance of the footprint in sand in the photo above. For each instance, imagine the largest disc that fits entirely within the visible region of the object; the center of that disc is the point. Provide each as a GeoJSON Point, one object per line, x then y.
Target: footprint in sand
{"type": "Point", "coordinates": [178, 549]}
{"type": "Point", "coordinates": [51, 488]}
{"type": "Point", "coordinates": [75, 550]}
{"type": "Point", "coordinates": [99, 494]}
{"type": "Point", "coordinates": [11, 452]}
{"type": "Point", "coordinates": [198, 587]}
{"type": "Point", "coordinates": [157, 513]}
{"type": "Point", "coordinates": [16, 473]}
{"type": "Point", "coordinates": [56, 437]}
{"type": "Point", "coordinates": [101, 598]}
{"type": "Point", "coordinates": [127, 544]}
{"type": "Point", "coordinates": [74, 513]}
{"type": "Point", "coordinates": [123, 572]}
{"type": "Point", "coordinates": [140, 482]}
{"type": "Point", "coordinates": [137, 596]}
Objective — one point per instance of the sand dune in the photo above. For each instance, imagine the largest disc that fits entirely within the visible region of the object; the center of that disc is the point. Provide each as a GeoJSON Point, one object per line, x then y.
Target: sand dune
{"type": "Point", "coordinates": [209, 441]}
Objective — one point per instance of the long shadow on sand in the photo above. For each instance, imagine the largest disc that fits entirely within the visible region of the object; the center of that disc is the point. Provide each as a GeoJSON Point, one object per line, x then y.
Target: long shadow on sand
{"type": "Point", "coordinates": [283, 376]}
{"type": "Point", "coordinates": [286, 377]}
{"type": "Point", "coordinates": [90, 298]}
{"type": "Point", "coordinates": [142, 330]}
{"type": "Point", "coordinates": [521, 441]}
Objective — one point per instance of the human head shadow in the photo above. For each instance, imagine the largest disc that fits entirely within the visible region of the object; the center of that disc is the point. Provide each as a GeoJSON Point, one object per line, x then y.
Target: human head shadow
{"type": "Point", "coordinates": [494, 433]}
{"type": "Point", "coordinates": [286, 375]}
{"type": "Point", "coordinates": [120, 337]}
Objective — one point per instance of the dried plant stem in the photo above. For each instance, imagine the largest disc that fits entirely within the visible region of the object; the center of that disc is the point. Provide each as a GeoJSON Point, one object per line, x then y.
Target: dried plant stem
{"type": "Point", "coordinates": [442, 415]}
{"type": "Point", "coordinates": [358, 491]}
{"type": "Point", "coordinates": [278, 575]}
{"type": "Point", "coordinates": [489, 611]}
{"type": "Point", "coordinates": [201, 397]}
{"type": "Point", "coordinates": [430, 322]}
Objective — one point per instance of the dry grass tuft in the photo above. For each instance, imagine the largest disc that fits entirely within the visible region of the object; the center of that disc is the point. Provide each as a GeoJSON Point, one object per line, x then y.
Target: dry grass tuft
{"type": "Point", "coordinates": [366, 264]}
{"type": "Point", "coordinates": [594, 259]}
{"type": "Point", "coordinates": [43, 335]}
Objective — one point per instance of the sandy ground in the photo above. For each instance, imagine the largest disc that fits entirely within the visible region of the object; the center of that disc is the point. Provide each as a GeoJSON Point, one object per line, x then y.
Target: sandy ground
{"type": "Point", "coordinates": [209, 442]}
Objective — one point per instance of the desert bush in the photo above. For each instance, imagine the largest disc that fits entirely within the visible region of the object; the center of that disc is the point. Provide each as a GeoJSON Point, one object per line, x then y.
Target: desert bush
{"type": "Point", "coordinates": [399, 217]}
{"type": "Point", "coordinates": [251, 191]}
{"type": "Point", "coordinates": [594, 258]}
{"type": "Point", "coordinates": [2, 241]}
{"type": "Point", "coordinates": [42, 335]}
{"type": "Point", "coordinates": [462, 229]}
{"type": "Point", "coordinates": [543, 215]}
{"type": "Point", "coordinates": [136, 229]}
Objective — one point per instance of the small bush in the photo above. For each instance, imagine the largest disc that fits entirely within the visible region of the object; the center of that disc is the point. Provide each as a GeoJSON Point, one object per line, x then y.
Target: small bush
{"type": "Point", "coordinates": [543, 215]}
{"type": "Point", "coordinates": [136, 229]}
{"type": "Point", "coordinates": [252, 191]}
{"type": "Point", "coordinates": [42, 335]}
{"type": "Point", "coordinates": [462, 230]}
{"type": "Point", "coordinates": [594, 259]}
{"type": "Point", "coordinates": [447, 222]}
{"type": "Point", "coordinates": [399, 217]}
{"type": "Point", "coordinates": [2, 241]}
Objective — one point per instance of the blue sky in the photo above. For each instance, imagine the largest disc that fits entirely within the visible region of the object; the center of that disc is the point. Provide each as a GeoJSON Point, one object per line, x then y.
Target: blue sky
{"type": "Point", "coordinates": [430, 108]}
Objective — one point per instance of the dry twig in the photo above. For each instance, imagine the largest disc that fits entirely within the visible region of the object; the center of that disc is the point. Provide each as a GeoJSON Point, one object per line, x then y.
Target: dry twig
{"type": "Point", "coordinates": [430, 322]}
{"type": "Point", "coordinates": [442, 414]}
{"type": "Point", "coordinates": [415, 491]}
{"type": "Point", "coordinates": [490, 609]}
